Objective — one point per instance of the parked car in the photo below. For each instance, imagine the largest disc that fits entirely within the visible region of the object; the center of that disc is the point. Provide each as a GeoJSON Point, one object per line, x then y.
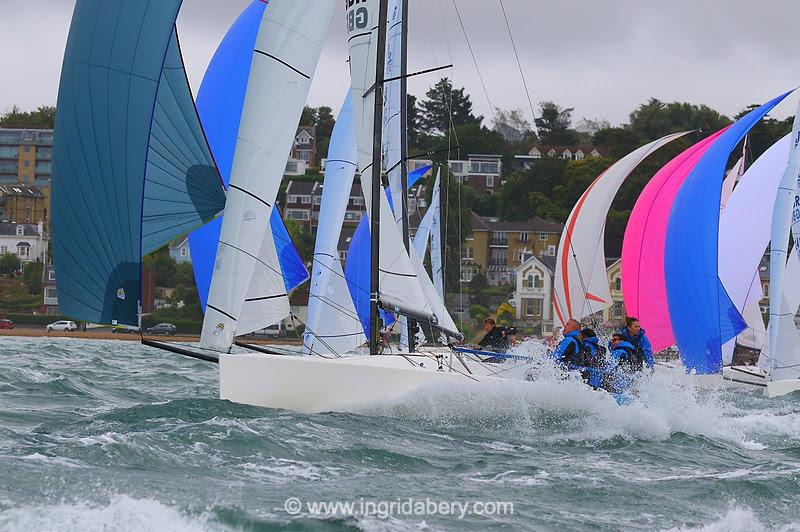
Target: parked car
{"type": "Point", "coordinates": [167, 329]}
{"type": "Point", "coordinates": [6, 324]}
{"type": "Point", "coordinates": [125, 329]}
{"type": "Point", "coordinates": [273, 331]}
{"type": "Point", "coordinates": [62, 326]}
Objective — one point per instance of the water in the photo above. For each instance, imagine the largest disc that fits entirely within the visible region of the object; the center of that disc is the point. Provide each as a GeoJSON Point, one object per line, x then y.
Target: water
{"type": "Point", "coordinates": [110, 435]}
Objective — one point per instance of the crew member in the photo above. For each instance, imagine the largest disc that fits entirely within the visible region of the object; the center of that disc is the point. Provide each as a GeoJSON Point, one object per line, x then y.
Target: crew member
{"type": "Point", "coordinates": [495, 338]}
{"type": "Point", "coordinates": [568, 351]}
{"type": "Point", "coordinates": [633, 333]}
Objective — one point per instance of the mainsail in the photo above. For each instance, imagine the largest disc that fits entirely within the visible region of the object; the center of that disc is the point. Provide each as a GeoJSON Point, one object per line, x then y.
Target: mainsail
{"type": "Point", "coordinates": [399, 284]}
{"type": "Point", "coordinates": [333, 324]}
{"type": "Point", "coordinates": [581, 284]}
{"type": "Point", "coordinates": [643, 283]}
{"type": "Point", "coordinates": [247, 288]}
{"type": "Point", "coordinates": [744, 233]}
{"type": "Point", "coordinates": [128, 139]}
{"type": "Point", "coordinates": [220, 102]}
{"type": "Point", "coordinates": [702, 314]}
{"type": "Point", "coordinates": [784, 353]}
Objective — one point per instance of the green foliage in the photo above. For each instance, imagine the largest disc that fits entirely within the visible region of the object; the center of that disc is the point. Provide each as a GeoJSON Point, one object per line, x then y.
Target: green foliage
{"type": "Point", "coordinates": [478, 313]}
{"type": "Point", "coordinates": [654, 119]}
{"type": "Point", "coordinates": [765, 133]}
{"type": "Point", "coordinates": [578, 175]}
{"type": "Point", "coordinates": [300, 233]}
{"type": "Point", "coordinates": [164, 267]}
{"type": "Point", "coordinates": [14, 296]}
{"type": "Point", "coordinates": [32, 277]}
{"type": "Point", "coordinates": [444, 107]}
{"type": "Point", "coordinates": [554, 124]}
{"type": "Point", "coordinates": [9, 263]}
{"type": "Point", "coordinates": [616, 142]}
{"type": "Point", "coordinates": [413, 120]}
{"type": "Point", "coordinates": [506, 314]}
{"type": "Point", "coordinates": [42, 118]}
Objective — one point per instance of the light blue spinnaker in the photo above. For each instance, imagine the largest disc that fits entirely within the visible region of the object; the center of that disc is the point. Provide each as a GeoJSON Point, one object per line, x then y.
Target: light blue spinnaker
{"type": "Point", "coordinates": [702, 314]}
{"type": "Point", "coordinates": [110, 78]}
{"type": "Point", "coordinates": [220, 101]}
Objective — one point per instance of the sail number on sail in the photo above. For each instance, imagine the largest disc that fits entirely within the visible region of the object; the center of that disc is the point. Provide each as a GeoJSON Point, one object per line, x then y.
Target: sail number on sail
{"type": "Point", "coordinates": [357, 19]}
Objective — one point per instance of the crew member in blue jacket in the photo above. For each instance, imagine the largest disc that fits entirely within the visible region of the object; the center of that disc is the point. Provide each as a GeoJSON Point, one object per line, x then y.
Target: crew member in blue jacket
{"type": "Point", "coordinates": [633, 333]}
{"type": "Point", "coordinates": [620, 370]}
{"type": "Point", "coordinates": [593, 359]}
{"type": "Point", "coordinates": [569, 349]}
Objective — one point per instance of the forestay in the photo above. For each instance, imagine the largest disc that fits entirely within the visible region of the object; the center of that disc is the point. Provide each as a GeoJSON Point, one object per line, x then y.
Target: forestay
{"type": "Point", "coordinates": [247, 289]}
{"type": "Point", "coordinates": [581, 284]}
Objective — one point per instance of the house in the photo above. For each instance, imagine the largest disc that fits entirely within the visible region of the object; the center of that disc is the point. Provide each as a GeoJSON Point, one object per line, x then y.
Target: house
{"type": "Point", "coordinates": [496, 248]}
{"type": "Point", "coordinates": [22, 204]}
{"type": "Point", "coordinates": [50, 292]}
{"type": "Point", "coordinates": [299, 201]}
{"type": "Point", "coordinates": [27, 241]}
{"type": "Point", "coordinates": [534, 292]}
{"type": "Point", "coordinates": [483, 173]}
{"type": "Point", "coordinates": [179, 250]}
{"type": "Point", "coordinates": [304, 147]}
{"type": "Point", "coordinates": [615, 314]}
{"type": "Point", "coordinates": [569, 153]}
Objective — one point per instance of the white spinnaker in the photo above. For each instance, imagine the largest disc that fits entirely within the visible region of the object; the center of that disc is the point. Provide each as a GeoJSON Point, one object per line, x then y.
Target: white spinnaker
{"type": "Point", "coordinates": [287, 50]}
{"type": "Point", "coordinates": [581, 284]}
{"type": "Point", "coordinates": [730, 181]}
{"type": "Point", "coordinates": [333, 323]}
{"type": "Point", "coordinates": [789, 305]}
{"type": "Point", "coordinates": [783, 353]}
{"type": "Point", "coordinates": [399, 284]}
{"type": "Point", "coordinates": [744, 234]}
{"type": "Point", "coordinates": [392, 107]}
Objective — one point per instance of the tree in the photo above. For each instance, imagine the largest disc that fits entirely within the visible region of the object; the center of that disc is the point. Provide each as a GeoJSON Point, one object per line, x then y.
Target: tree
{"type": "Point", "coordinates": [309, 116]}
{"type": "Point", "coordinates": [478, 313]}
{"type": "Point", "coordinates": [616, 142]}
{"type": "Point", "coordinates": [512, 125]}
{"type": "Point", "coordinates": [554, 124]}
{"type": "Point", "coordinates": [412, 120]}
{"type": "Point", "coordinates": [300, 234]}
{"type": "Point", "coordinates": [654, 119]}
{"type": "Point", "coordinates": [765, 133]}
{"type": "Point", "coordinates": [187, 294]}
{"type": "Point", "coordinates": [164, 267]}
{"type": "Point", "coordinates": [32, 277]}
{"type": "Point", "coordinates": [506, 314]}
{"type": "Point", "coordinates": [42, 118]}
{"type": "Point", "coordinates": [9, 263]}
{"type": "Point", "coordinates": [444, 107]}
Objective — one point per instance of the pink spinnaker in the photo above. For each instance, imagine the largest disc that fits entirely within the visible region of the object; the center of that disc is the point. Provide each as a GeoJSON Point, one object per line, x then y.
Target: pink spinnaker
{"type": "Point", "coordinates": [643, 283]}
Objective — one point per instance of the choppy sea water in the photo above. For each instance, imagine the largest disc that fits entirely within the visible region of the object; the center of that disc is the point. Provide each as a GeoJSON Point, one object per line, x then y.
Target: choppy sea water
{"type": "Point", "coordinates": [112, 435]}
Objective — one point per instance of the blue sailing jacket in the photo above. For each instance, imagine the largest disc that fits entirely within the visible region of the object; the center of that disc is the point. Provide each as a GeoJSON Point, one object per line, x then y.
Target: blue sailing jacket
{"type": "Point", "coordinates": [640, 344]}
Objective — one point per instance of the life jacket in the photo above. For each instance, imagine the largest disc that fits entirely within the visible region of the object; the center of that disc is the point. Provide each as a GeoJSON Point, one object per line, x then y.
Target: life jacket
{"type": "Point", "coordinates": [592, 354]}
{"type": "Point", "coordinates": [635, 341]}
{"type": "Point", "coordinates": [573, 355]}
{"type": "Point", "coordinates": [631, 360]}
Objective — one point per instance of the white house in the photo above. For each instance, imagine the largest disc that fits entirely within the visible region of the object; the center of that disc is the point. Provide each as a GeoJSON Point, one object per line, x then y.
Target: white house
{"type": "Point", "coordinates": [26, 241]}
{"type": "Point", "coordinates": [179, 250]}
{"type": "Point", "coordinates": [534, 292]}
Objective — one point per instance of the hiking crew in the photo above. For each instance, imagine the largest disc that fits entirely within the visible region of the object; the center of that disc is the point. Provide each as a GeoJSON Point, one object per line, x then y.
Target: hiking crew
{"type": "Point", "coordinates": [568, 351]}
{"type": "Point", "coordinates": [633, 333]}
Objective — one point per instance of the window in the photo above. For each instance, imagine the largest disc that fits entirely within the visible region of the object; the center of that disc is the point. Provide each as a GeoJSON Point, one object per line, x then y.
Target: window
{"type": "Point", "coordinates": [304, 155]}
{"type": "Point", "coordinates": [305, 200]}
{"type": "Point", "coordinates": [27, 149]}
{"type": "Point", "coordinates": [618, 283]}
{"type": "Point", "coordinates": [294, 214]}
{"type": "Point", "coordinates": [357, 201]}
{"type": "Point", "coordinates": [533, 307]}
{"type": "Point", "coordinates": [3, 249]}
{"type": "Point", "coordinates": [184, 251]}
{"type": "Point", "coordinates": [457, 167]}
{"type": "Point", "coordinates": [20, 230]}
{"type": "Point", "coordinates": [349, 216]}
{"type": "Point", "coordinates": [529, 282]}
{"type": "Point", "coordinates": [26, 163]}
{"type": "Point", "coordinates": [293, 199]}
{"type": "Point", "coordinates": [543, 237]}
{"type": "Point", "coordinates": [303, 139]}
{"type": "Point", "coordinates": [484, 168]}
{"type": "Point", "coordinates": [50, 293]}
{"type": "Point", "coordinates": [317, 200]}
{"type": "Point", "coordinates": [489, 181]}
{"type": "Point", "coordinates": [522, 254]}
{"type": "Point", "coordinates": [24, 250]}
{"type": "Point", "coordinates": [469, 253]}
{"type": "Point", "coordinates": [342, 255]}
{"type": "Point", "coordinates": [566, 156]}
{"type": "Point", "coordinates": [523, 237]}
{"type": "Point", "coordinates": [466, 274]}
{"type": "Point", "coordinates": [538, 282]}
{"type": "Point", "coordinates": [766, 289]}
{"type": "Point", "coordinates": [551, 251]}
{"type": "Point", "coordinates": [51, 275]}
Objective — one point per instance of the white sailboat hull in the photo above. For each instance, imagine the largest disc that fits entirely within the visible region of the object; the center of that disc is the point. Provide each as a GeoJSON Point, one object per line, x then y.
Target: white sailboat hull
{"type": "Point", "coordinates": [313, 384]}
{"type": "Point", "coordinates": [756, 378]}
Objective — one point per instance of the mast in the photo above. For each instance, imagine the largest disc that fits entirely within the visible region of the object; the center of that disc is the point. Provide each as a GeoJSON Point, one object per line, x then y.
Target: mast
{"type": "Point", "coordinates": [404, 150]}
{"type": "Point", "coordinates": [377, 184]}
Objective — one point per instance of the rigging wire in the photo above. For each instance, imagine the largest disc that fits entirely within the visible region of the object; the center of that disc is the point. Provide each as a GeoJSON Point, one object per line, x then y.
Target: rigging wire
{"type": "Point", "coordinates": [519, 65]}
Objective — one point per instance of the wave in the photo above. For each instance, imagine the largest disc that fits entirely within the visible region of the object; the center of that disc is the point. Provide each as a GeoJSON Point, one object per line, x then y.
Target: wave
{"type": "Point", "coordinates": [741, 519]}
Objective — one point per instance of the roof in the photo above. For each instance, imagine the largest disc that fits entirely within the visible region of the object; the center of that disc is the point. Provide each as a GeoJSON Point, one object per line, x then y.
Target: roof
{"type": "Point", "coordinates": [301, 188]}
{"type": "Point", "coordinates": [546, 260]}
{"type": "Point", "coordinates": [311, 130]}
{"type": "Point", "coordinates": [10, 229]}
{"type": "Point", "coordinates": [21, 190]}
{"type": "Point", "coordinates": [562, 149]}
{"type": "Point", "coordinates": [534, 225]}
{"type": "Point", "coordinates": [17, 137]}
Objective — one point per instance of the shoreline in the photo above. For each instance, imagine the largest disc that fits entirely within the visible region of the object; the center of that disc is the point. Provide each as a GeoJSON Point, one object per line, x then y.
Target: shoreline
{"type": "Point", "coordinates": [105, 334]}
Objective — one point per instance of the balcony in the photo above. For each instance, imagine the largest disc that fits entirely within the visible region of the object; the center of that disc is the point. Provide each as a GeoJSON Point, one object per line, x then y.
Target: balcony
{"type": "Point", "coordinates": [496, 241]}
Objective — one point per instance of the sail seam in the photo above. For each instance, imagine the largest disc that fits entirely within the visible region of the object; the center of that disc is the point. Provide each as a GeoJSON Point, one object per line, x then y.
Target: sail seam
{"type": "Point", "coordinates": [240, 189]}
{"type": "Point", "coordinates": [284, 63]}
{"type": "Point", "coordinates": [212, 307]}
{"type": "Point", "coordinates": [265, 298]}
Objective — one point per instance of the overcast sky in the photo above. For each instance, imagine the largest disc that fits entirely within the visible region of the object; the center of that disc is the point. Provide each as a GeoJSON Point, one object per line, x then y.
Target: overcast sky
{"type": "Point", "coordinates": [602, 57]}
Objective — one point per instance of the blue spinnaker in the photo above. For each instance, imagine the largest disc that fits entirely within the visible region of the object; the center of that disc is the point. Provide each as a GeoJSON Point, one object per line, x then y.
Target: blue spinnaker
{"type": "Point", "coordinates": [702, 314]}
{"type": "Point", "coordinates": [109, 82]}
{"type": "Point", "coordinates": [183, 189]}
{"type": "Point", "coordinates": [357, 273]}
{"type": "Point", "coordinates": [220, 101]}
{"type": "Point", "coordinates": [416, 175]}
